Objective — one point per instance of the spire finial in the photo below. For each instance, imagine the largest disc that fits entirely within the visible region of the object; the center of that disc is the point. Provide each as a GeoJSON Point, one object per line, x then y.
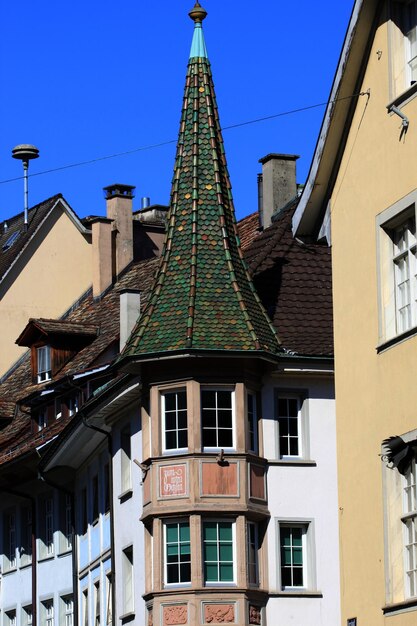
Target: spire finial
{"type": "Point", "coordinates": [197, 13]}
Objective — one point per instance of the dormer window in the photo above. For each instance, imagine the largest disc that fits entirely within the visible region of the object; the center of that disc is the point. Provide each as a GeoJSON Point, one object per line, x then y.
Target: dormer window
{"type": "Point", "coordinates": [43, 357]}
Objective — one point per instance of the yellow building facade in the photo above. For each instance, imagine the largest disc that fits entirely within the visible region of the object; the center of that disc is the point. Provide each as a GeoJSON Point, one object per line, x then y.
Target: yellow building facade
{"type": "Point", "coordinates": [362, 195]}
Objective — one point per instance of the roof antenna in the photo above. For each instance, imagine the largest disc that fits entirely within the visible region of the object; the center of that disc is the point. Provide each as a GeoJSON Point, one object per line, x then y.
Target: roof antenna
{"type": "Point", "coordinates": [25, 152]}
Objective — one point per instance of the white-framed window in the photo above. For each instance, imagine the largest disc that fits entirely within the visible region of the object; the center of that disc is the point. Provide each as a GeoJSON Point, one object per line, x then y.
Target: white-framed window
{"type": "Point", "coordinates": [47, 613]}
{"type": "Point", "coordinates": [410, 39]}
{"type": "Point", "coordinates": [402, 45]}
{"type": "Point", "coordinates": [10, 561]}
{"type": "Point", "coordinates": [127, 580]}
{"type": "Point", "coordinates": [42, 418]}
{"type": "Point", "coordinates": [72, 405]}
{"type": "Point", "coordinates": [409, 520]}
{"type": "Point", "coordinates": [97, 604]}
{"type": "Point", "coordinates": [26, 536]}
{"type": "Point", "coordinates": [252, 422]}
{"type": "Point", "coordinates": [397, 268]}
{"type": "Point", "coordinates": [177, 562]}
{"type": "Point", "coordinates": [95, 498]}
{"type": "Point", "coordinates": [46, 515]}
{"type": "Point", "coordinates": [43, 357]}
{"type": "Point", "coordinates": [217, 418]}
{"type": "Point", "coordinates": [174, 420]}
{"type": "Point", "coordinates": [109, 599]}
{"type": "Point", "coordinates": [252, 553]}
{"type": "Point", "coordinates": [296, 555]}
{"type": "Point", "coordinates": [65, 536]}
{"type": "Point", "coordinates": [219, 552]}
{"type": "Point", "coordinates": [67, 611]}
{"type": "Point", "coordinates": [84, 608]}
{"type": "Point", "coordinates": [27, 619]}
{"type": "Point", "coordinates": [290, 425]}
{"type": "Point", "coordinates": [10, 618]}
{"type": "Point", "coordinates": [126, 458]}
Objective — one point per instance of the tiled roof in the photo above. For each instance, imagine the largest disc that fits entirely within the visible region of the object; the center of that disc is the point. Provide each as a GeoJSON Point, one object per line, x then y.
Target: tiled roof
{"type": "Point", "coordinates": [15, 224]}
{"type": "Point", "coordinates": [203, 298]}
{"type": "Point", "coordinates": [248, 229]}
{"type": "Point", "coordinates": [56, 327]}
{"type": "Point", "coordinates": [295, 285]}
{"type": "Point", "coordinates": [104, 314]}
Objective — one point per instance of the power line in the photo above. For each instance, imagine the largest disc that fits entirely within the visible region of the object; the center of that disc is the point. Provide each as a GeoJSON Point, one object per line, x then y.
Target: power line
{"type": "Point", "coordinates": [171, 141]}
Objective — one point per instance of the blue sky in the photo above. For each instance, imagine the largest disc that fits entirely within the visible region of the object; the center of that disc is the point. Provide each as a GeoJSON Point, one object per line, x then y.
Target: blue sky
{"type": "Point", "coordinates": [83, 80]}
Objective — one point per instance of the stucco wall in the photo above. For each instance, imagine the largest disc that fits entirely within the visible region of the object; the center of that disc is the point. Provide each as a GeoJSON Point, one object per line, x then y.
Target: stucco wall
{"type": "Point", "coordinates": [375, 392]}
{"type": "Point", "coordinates": [54, 271]}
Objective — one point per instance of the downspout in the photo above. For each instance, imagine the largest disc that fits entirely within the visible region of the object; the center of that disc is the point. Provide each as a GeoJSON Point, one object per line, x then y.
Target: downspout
{"type": "Point", "coordinates": [74, 554]}
{"type": "Point", "coordinates": [113, 568]}
{"type": "Point", "coordinates": [34, 554]}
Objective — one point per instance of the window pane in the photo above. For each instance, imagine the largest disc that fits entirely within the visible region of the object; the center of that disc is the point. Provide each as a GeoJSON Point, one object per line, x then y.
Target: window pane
{"type": "Point", "coordinates": [224, 419]}
{"type": "Point", "coordinates": [226, 573]}
{"type": "Point", "coordinates": [225, 439]}
{"type": "Point", "coordinates": [209, 438]}
{"type": "Point", "coordinates": [224, 399]}
{"type": "Point", "coordinates": [209, 418]}
{"type": "Point", "coordinates": [208, 399]}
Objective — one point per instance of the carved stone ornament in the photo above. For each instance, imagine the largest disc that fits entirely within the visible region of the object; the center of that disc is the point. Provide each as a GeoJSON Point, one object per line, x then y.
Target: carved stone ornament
{"type": "Point", "coordinates": [175, 615]}
{"type": "Point", "coordinates": [254, 615]}
{"type": "Point", "coordinates": [219, 613]}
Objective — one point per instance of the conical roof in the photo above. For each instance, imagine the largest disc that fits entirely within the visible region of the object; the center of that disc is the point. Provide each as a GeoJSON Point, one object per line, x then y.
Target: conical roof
{"type": "Point", "coordinates": [203, 298]}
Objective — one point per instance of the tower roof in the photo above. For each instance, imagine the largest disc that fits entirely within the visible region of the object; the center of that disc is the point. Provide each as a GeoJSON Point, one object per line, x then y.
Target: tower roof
{"type": "Point", "coordinates": [203, 297]}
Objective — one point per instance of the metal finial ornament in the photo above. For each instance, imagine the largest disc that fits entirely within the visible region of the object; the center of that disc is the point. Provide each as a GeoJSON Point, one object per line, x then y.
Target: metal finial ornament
{"type": "Point", "coordinates": [198, 14]}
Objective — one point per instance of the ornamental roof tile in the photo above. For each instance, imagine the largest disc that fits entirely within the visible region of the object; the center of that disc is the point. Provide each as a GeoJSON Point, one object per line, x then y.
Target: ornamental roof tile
{"type": "Point", "coordinates": [203, 297]}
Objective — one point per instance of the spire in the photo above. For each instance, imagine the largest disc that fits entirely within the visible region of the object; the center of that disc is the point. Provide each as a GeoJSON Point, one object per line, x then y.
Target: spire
{"type": "Point", "coordinates": [203, 298]}
{"type": "Point", "coordinates": [198, 45]}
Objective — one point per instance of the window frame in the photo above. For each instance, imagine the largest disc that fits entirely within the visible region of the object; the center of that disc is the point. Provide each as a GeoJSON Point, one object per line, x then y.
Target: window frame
{"type": "Point", "coordinates": [10, 540]}
{"type": "Point", "coordinates": [43, 375]}
{"type": "Point", "coordinates": [302, 397]}
{"type": "Point", "coordinates": [27, 615]}
{"type": "Point", "coordinates": [217, 388]}
{"type": "Point", "coordinates": [409, 520]}
{"type": "Point", "coordinates": [219, 583]}
{"type": "Point", "coordinates": [26, 525]}
{"type": "Point", "coordinates": [128, 579]}
{"type": "Point", "coordinates": [387, 222]}
{"type": "Point", "coordinates": [47, 612]}
{"type": "Point", "coordinates": [252, 421]}
{"type": "Point", "coordinates": [308, 555]}
{"type": "Point", "coordinates": [67, 609]}
{"type": "Point", "coordinates": [255, 564]}
{"type": "Point", "coordinates": [126, 458]}
{"type": "Point", "coordinates": [163, 394]}
{"type": "Point", "coordinates": [179, 543]}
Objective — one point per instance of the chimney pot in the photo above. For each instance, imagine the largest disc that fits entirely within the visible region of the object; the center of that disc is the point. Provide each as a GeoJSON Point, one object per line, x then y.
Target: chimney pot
{"type": "Point", "coordinates": [129, 313]}
{"type": "Point", "coordinates": [279, 185]}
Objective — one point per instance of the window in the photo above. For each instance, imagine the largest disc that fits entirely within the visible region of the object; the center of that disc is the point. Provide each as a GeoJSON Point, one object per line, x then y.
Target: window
{"type": "Point", "coordinates": [177, 553]}
{"type": "Point", "coordinates": [97, 604]}
{"type": "Point", "coordinates": [410, 530]}
{"type": "Point", "coordinates": [109, 593]}
{"type": "Point", "coordinates": [127, 577]}
{"type": "Point", "coordinates": [49, 526]}
{"type": "Point", "coordinates": [403, 45]}
{"type": "Point", "coordinates": [42, 418]}
{"type": "Point", "coordinates": [95, 498]}
{"type": "Point", "coordinates": [252, 422]}
{"type": "Point", "coordinates": [409, 16]}
{"type": "Point", "coordinates": [126, 452]}
{"type": "Point", "coordinates": [58, 408]}
{"type": "Point", "coordinates": [65, 540]}
{"type": "Point", "coordinates": [293, 555]}
{"type": "Point", "coordinates": [43, 356]}
{"type": "Point", "coordinates": [10, 540]}
{"type": "Point", "coordinates": [174, 420]}
{"type": "Point", "coordinates": [106, 477]}
{"type": "Point", "coordinates": [397, 269]}
{"type": "Point", "coordinates": [83, 511]}
{"type": "Point", "coordinates": [67, 611]}
{"type": "Point", "coordinates": [26, 536]}
{"type": "Point", "coordinates": [72, 405]}
{"type": "Point", "coordinates": [288, 413]}
{"type": "Point", "coordinates": [85, 608]}
{"type": "Point", "coordinates": [47, 613]}
{"type": "Point", "coordinates": [10, 618]}
{"type": "Point", "coordinates": [218, 552]}
{"type": "Point", "coordinates": [252, 555]}
{"type": "Point", "coordinates": [27, 616]}
{"type": "Point", "coordinates": [217, 416]}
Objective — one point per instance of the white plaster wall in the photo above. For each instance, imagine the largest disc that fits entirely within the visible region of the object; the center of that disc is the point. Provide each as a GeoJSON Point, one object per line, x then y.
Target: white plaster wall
{"type": "Point", "coordinates": [128, 527]}
{"type": "Point", "coordinates": [305, 493]}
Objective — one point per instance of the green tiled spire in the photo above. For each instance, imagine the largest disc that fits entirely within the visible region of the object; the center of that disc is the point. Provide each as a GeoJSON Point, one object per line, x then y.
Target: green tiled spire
{"type": "Point", "coordinates": [203, 297]}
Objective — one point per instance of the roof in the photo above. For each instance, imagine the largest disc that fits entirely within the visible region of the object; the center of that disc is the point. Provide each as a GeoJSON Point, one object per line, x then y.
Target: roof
{"type": "Point", "coordinates": [42, 326]}
{"type": "Point", "coordinates": [14, 238]}
{"type": "Point", "coordinates": [16, 437]}
{"type": "Point", "coordinates": [203, 298]}
{"type": "Point", "coordinates": [339, 112]}
{"type": "Point", "coordinates": [294, 282]}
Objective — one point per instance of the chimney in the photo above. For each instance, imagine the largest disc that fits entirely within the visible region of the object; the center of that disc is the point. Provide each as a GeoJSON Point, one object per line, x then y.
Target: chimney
{"type": "Point", "coordinates": [103, 263]}
{"type": "Point", "coordinates": [129, 313]}
{"type": "Point", "coordinates": [277, 185]}
{"type": "Point", "coordinates": [119, 209]}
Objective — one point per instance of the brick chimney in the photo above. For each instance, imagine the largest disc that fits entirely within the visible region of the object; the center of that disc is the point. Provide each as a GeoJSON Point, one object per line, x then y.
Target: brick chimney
{"type": "Point", "coordinates": [119, 209]}
{"type": "Point", "coordinates": [276, 186]}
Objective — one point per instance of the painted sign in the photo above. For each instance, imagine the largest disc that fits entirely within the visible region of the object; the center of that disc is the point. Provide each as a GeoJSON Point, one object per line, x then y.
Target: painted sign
{"type": "Point", "coordinates": [172, 481]}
